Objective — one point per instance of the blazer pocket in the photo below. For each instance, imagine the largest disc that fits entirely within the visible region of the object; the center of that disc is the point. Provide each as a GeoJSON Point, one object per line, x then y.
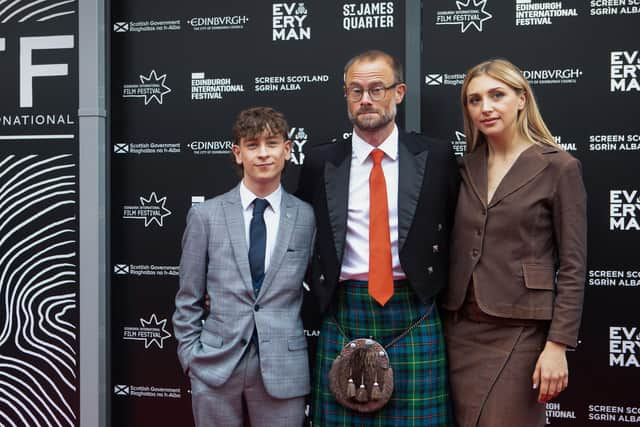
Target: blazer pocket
{"type": "Point", "coordinates": [296, 251]}
{"type": "Point", "coordinates": [210, 339]}
{"type": "Point", "coordinates": [539, 276]}
{"type": "Point", "coordinates": [297, 343]}
{"type": "Point", "coordinates": [297, 257]}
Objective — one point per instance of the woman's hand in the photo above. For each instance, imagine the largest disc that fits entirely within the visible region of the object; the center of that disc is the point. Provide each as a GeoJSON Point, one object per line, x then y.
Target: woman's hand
{"type": "Point", "coordinates": [551, 374]}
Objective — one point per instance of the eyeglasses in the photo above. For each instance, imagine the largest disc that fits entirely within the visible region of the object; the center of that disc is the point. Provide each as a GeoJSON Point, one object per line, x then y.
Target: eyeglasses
{"type": "Point", "coordinates": [376, 93]}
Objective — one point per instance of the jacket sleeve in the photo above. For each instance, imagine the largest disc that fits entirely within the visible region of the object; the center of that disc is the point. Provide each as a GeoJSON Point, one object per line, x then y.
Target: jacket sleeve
{"type": "Point", "coordinates": [307, 180]}
{"type": "Point", "coordinates": [187, 319]}
{"type": "Point", "coordinates": [570, 229]}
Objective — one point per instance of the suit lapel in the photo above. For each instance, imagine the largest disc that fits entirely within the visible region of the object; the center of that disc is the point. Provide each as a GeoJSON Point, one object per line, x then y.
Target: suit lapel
{"type": "Point", "coordinates": [411, 169]}
{"type": "Point", "coordinates": [234, 218]}
{"type": "Point", "coordinates": [336, 181]}
{"type": "Point", "coordinates": [288, 215]}
{"type": "Point", "coordinates": [526, 167]}
{"type": "Point", "coordinates": [476, 166]}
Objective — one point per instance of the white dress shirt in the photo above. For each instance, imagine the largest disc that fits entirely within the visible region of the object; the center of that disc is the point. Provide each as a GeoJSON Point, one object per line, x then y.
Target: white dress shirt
{"type": "Point", "coordinates": [355, 263]}
{"type": "Point", "coordinates": [271, 217]}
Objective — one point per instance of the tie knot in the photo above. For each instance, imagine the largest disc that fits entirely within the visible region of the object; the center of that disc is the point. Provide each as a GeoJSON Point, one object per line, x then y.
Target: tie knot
{"type": "Point", "coordinates": [377, 155]}
{"type": "Point", "coordinates": [259, 205]}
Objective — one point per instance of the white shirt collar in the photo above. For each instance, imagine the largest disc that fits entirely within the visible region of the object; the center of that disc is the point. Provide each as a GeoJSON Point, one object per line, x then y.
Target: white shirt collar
{"type": "Point", "coordinates": [247, 197]}
{"type": "Point", "coordinates": [361, 149]}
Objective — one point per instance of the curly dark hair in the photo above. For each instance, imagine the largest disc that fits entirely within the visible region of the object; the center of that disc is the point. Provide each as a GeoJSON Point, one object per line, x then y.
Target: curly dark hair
{"type": "Point", "coordinates": [253, 121]}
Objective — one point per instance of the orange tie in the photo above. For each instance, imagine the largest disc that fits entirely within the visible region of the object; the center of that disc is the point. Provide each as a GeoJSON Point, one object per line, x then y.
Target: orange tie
{"type": "Point", "coordinates": [380, 270]}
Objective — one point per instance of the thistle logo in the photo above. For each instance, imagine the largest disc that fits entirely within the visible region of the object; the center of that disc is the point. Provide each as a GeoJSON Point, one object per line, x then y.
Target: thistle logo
{"type": "Point", "coordinates": [298, 138]}
{"type": "Point", "coordinates": [624, 208]}
{"type": "Point", "coordinates": [150, 88]}
{"type": "Point", "coordinates": [288, 22]}
{"type": "Point", "coordinates": [150, 331]}
{"type": "Point", "coordinates": [625, 71]}
{"type": "Point", "coordinates": [150, 209]}
{"type": "Point", "coordinates": [469, 13]}
{"type": "Point", "coordinates": [624, 346]}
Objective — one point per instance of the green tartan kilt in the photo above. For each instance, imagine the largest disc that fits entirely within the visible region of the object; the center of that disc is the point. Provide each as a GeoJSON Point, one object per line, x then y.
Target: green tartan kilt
{"type": "Point", "coordinates": [421, 394]}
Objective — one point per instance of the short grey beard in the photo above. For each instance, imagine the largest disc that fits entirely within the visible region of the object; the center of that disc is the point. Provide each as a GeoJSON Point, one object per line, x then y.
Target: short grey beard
{"type": "Point", "coordinates": [372, 125]}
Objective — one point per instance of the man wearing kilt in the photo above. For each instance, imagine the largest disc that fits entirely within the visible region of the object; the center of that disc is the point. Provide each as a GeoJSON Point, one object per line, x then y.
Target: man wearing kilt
{"type": "Point", "coordinates": [384, 202]}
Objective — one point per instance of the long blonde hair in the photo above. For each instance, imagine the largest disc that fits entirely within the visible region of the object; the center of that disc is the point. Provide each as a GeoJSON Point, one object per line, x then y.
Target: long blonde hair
{"type": "Point", "coordinates": [529, 122]}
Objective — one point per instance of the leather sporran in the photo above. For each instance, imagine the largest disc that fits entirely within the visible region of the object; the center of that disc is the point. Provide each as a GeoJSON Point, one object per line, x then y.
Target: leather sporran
{"type": "Point", "coordinates": [361, 377]}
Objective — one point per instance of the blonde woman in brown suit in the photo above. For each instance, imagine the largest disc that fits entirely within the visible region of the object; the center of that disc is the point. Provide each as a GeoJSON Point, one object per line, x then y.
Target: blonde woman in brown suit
{"type": "Point", "coordinates": [518, 256]}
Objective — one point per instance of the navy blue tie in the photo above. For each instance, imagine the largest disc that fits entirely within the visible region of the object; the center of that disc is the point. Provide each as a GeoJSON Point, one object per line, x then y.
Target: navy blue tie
{"type": "Point", "coordinates": [257, 243]}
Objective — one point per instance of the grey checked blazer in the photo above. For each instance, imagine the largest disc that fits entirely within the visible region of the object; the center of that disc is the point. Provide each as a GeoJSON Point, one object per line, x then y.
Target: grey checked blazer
{"type": "Point", "coordinates": [215, 261]}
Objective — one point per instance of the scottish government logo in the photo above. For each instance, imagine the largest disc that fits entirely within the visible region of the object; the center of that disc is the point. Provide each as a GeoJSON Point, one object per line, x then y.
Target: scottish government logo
{"type": "Point", "coordinates": [147, 391]}
{"type": "Point", "coordinates": [146, 26]}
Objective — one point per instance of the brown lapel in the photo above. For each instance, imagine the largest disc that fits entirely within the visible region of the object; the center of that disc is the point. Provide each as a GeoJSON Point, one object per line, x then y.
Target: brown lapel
{"type": "Point", "coordinates": [527, 166]}
{"type": "Point", "coordinates": [475, 164]}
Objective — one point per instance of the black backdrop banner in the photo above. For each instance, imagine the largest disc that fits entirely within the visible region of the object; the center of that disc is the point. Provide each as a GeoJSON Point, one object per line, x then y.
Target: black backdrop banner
{"type": "Point", "coordinates": [180, 73]}
{"type": "Point", "coordinates": [583, 62]}
{"type": "Point", "coordinates": [39, 213]}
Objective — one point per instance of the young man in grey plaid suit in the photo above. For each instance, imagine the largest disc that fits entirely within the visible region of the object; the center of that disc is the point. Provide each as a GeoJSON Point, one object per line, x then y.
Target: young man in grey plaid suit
{"type": "Point", "coordinates": [247, 250]}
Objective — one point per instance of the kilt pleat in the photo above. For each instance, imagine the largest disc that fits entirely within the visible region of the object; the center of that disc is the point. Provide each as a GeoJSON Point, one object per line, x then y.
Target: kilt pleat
{"type": "Point", "coordinates": [421, 389]}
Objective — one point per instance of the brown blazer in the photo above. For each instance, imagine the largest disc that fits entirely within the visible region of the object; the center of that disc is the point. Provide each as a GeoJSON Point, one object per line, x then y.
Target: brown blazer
{"type": "Point", "coordinates": [526, 249]}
